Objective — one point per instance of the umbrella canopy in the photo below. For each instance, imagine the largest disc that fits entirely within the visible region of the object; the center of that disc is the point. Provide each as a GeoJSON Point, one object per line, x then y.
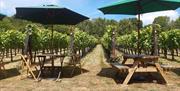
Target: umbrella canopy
{"type": "Point", "coordinates": [49, 14]}
{"type": "Point", "coordinates": [137, 7]}
{"type": "Point", "coordinates": [2, 16]}
{"type": "Point", "coordinates": [134, 7]}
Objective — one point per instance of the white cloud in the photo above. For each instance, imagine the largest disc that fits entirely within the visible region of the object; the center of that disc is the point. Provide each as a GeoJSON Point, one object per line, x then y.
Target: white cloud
{"type": "Point", "coordinates": [149, 17]}
{"type": "Point", "coordinates": [2, 5]}
{"type": "Point", "coordinates": [51, 1]}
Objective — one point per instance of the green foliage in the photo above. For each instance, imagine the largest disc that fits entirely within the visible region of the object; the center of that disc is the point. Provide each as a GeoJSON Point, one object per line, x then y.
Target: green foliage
{"type": "Point", "coordinates": [167, 40]}
{"type": "Point", "coordinates": [107, 37]}
{"type": "Point", "coordinates": [96, 27]}
{"type": "Point", "coordinates": [173, 39]}
{"type": "Point", "coordinates": [126, 26]}
{"type": "Point", "coordinates": [106, 40]}
{"type": "Point", "coordinates": [83, 40]}
{"type": "Point", "coordinates": [9, 23]}
{"type": "Point", "coordinates": [11, 39]}
{"type": "Point", "coordinates": [176, 24]}
{"type": "Point", "coordinates": [163, 21]}
{"type": "Point", "coordinates": [42, 39]}
{"type": "Point", "coordinates": [13, 31]}
{"type": "Point", "coordinates": [127, 41]}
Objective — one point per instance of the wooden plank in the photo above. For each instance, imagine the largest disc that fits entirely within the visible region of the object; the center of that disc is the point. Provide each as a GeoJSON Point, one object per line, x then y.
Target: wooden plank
{"type": "Point", "coordinates": [151, 69]}
{"type": "Point", "coordinates": [28, 67]}
{"type": "Point", "coordinates": [130, 74]}
{"type": "Point", "coordinates": [119, 66]}
{"type": "Point", "coordinates": [161, 72]}
{"type": "Point", "coordinates": [124, 61]}
{"type": "Point", "coordinates": [148, 69]}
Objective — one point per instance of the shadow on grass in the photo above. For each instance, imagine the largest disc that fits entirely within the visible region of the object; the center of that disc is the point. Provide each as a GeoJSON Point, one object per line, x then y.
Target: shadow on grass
{"type": "Point", "coordinates": [66, 73]}
{"type": "Point", "coordinates": [4, 74]}
{"type": "Point", "coordinates": [109, 73]}
{"type": "Point", "coordinates": [137, 77]}
{"type": "Point", "coordinates": [147, 78]}
{"type": "Point", "coordinates": [177, 71]}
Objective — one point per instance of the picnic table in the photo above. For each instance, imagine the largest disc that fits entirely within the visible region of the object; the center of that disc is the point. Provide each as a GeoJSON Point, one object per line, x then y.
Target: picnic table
{"type": "Point", "coordinates": [43, 58]}
{"type": "Point", "coordinates": [143, 63]}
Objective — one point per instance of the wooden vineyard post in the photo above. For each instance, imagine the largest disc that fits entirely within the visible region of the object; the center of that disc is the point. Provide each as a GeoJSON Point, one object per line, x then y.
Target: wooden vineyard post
{"type": "Point", "coordinates": [71, 51]}
{"type": "Point", "coordinates": [113, 44]}
{"type": "Point", "coordinates": [155, 41]}
{"type": "Point", "coordinates": [28, 43]}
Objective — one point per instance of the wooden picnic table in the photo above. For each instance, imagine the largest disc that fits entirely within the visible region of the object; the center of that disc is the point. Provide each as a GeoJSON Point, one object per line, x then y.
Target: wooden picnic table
{"type": "Point", "coordinates": [43, 58]}
{"type": "Point", "coordinates": [143, 63]}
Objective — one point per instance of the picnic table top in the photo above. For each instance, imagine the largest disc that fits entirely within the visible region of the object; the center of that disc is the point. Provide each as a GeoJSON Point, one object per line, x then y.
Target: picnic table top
{"type": "Point", "coordinates": [49, 54]}
{"type": "Point", "coordinates": [140, 56]}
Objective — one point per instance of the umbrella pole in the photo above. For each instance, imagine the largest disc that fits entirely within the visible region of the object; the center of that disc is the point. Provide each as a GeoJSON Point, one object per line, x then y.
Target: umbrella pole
{"type": "Point", "coordinates": [139, 21]}
{"type": "Point", "coordinates": [138, 45]}
{"type": "Point", "coordinates": [52, 31]}
{"type": "Point", "coordinates": [52, 63]}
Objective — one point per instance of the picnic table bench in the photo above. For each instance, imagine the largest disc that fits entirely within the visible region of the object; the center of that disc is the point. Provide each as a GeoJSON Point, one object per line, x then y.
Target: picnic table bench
{"type": "Point", "coordinates": [142, 63]}
{"type": "Point", "coordinates": [120, 67]}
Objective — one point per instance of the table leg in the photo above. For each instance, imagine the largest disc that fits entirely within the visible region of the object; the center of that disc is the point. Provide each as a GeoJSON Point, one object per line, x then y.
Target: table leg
{"type": "Point", "coordinates": [41, 63]}
{"type": "Point", "coordinates": [130, 74]}
{"type": "Point", "coordinates": [61, 70]}
{"type": "Point", "coordinates": [39, 73]}
{"type": "Point", "coordinates": [124, 61]}
{"type": "Point", "coordinates": [161, 72]}
{"type": "Point", "coordinates": [52, 71]}
{"type": "Point", "coordinates": [30, 71]}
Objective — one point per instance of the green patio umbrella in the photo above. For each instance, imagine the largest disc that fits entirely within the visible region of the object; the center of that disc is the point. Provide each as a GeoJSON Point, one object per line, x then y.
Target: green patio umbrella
{"type": "Point", "coordinates": [49, 15]}
{"type": "Point", "coordinates": [137, 7]}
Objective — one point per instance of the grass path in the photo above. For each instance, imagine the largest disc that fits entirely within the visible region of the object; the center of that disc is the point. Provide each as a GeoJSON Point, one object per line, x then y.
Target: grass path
{"type": "Point", "coordinates": [94, 62]}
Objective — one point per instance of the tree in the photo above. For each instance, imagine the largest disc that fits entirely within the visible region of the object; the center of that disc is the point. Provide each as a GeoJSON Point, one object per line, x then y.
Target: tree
{"type": "Point", "coordinates": [96, 27]}
{"type": "Point", "coordinates": [176, 23]}
{"type": "Point", "coordinates": [163, 21]}
{"type": "Point", "coordinates": [126, 26]}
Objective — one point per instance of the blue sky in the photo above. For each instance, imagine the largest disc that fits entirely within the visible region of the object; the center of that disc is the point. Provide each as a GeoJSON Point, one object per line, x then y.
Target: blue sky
{"type": "Point", "coordinates": [85, 7]}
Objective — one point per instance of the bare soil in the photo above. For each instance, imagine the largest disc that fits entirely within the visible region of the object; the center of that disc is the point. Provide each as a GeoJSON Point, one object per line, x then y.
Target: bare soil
{"type": "Point", "coordinates": [97, 76]}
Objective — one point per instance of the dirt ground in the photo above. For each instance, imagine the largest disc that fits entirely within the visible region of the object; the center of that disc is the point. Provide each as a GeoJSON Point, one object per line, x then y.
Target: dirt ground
{"type": "Point", "coordinates": [97, 76]}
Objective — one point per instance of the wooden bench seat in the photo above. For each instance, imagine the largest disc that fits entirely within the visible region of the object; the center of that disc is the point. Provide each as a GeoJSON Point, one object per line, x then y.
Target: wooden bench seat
{"type": "Point", "coordinates": [147, 69]}
{"type": "Point", "coordinates": [115, 59]}
{"type": "Point", "coordinates": [120, 67]}
{"type": "Point", "coordinates": [169, 67]}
